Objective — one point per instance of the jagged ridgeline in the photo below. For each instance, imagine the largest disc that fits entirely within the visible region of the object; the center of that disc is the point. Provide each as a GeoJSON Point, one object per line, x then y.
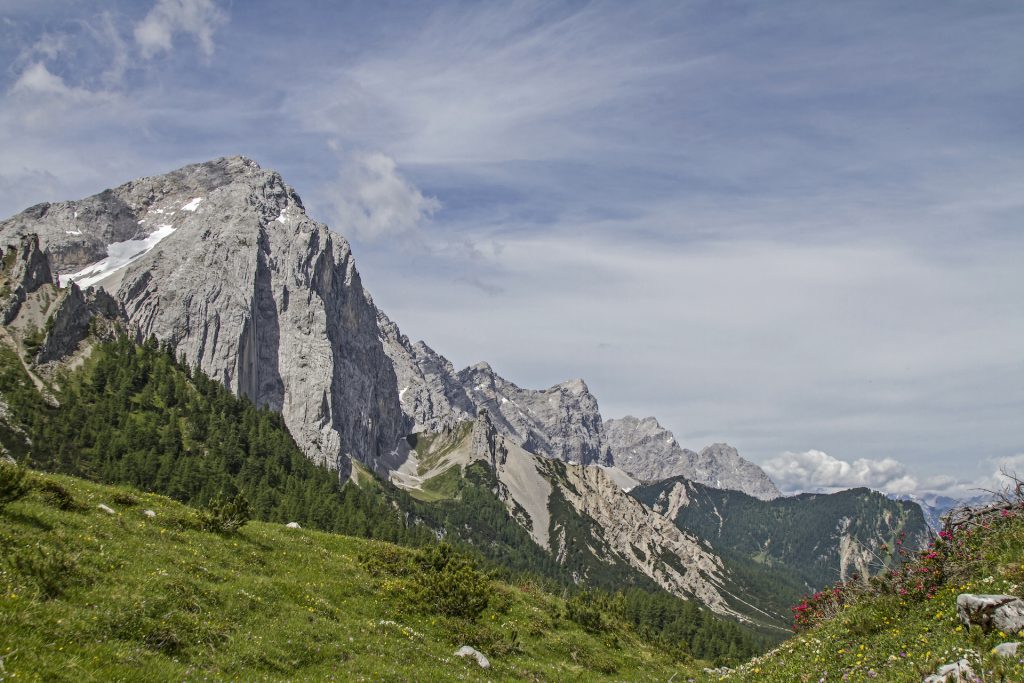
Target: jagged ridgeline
{"type": "Point", "coordinates": [803, 542]}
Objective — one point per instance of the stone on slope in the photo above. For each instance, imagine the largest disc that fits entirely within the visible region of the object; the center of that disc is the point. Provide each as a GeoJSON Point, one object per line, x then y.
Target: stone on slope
{"type": "Point", "coordinates": [952, 673]}
{"type": "Point", "coordinates": [467, 651]}
{"type": "Point", "coordinates": [1001, 612]}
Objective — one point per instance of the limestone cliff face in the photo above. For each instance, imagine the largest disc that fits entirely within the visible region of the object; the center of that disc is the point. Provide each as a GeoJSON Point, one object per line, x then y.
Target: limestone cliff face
{"type": "Point", "coordinates": [678, 561]}
{"type": "Point", "coordinates": [25, 269]}
{"type": "Point", "coordinates": [429, 391]}
{"type": "Point", "coordinates": [248, 287]}
{"type": "Point", "coordinates": [649, 452]}
{"type": "Point", "coordinates": [562, 422]}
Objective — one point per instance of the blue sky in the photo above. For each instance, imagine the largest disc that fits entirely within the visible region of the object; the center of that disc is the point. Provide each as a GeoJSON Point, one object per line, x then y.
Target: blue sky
{"type": "Point", "coordinates": [793, 226]}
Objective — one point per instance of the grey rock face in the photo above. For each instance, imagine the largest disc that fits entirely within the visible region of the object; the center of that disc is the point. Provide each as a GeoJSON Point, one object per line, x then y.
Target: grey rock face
{"type": "Point", "coordinates": [76, 233]}
{"type": "Point", "coordinates": [649, 452]}
{"type": "Point", "coordinates": [250, 289]}
{"type": "Point", "coordinates": [645, 449]}
{"type": "Point", "coordinates": [721, 466]}
{"type": "Point", "coordinates": [431, 396]}
{"type": "Point", "coordinates": [562, 422]}
{"type": "Point", "coordinates": [26, 269]}
{"type": "Point", "coordinates": [1001, 612]}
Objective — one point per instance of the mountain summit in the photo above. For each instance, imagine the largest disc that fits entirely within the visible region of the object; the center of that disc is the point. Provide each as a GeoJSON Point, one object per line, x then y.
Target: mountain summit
{"type": "Point", "coordinates": [649, 452]}
{"type": "Point", "coordinates": [221, 260]}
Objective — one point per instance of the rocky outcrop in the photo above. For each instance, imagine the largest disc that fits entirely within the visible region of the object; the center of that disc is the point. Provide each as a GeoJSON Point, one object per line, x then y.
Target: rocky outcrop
{"type": "Point", "coordinates": [649, 452]}
{"type": "Point", "coordinates": [247, 287]}
{"type": "Point", "coordinates": [1000, 612]}
{"type": "Point", "coordinates": [70, 320]}
{"type": "Point", "coordinates": [430, 394]}
{"type": "Point", "coordinates": [676, 560]}
{"type": "Point", "coordinates": [25, 269]}
{"type": "Point", "coordinates": [562, 422]}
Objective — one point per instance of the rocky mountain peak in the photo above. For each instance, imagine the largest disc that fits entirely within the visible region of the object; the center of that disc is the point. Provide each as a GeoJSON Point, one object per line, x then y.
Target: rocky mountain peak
{"type": "Point", "coordinates": [650, 452]}
{"type": "Point", "coordinates": [221, 259]}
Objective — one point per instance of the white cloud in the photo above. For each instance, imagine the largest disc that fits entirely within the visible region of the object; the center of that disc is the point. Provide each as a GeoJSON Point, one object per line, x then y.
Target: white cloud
{"type": "Point", "coordinates": [372, 200]}
{"type": "Point", "coordinates": [200, 18]}
{"type": "Point", "coordinates": [38, 79]}
{"type": "Point", "coordinates": [817, 471]}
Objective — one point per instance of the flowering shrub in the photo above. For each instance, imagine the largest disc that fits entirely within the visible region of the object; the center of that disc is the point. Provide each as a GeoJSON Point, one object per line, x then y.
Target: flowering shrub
{"type": "Point", "coordinates": [818, 607]}
{"type": "Point", "coordinates": [914, 575]}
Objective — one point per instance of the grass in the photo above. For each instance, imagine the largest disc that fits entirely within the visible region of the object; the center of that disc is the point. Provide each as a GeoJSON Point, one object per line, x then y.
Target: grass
{"type": "Point", "coordinates": [885, 635]}
{"type": "Point", "coordinates": [444, 486]}
{"type": "Point", "coordinates": [86, 595]}
{"type": "Point", "coordinates": [432, 448]}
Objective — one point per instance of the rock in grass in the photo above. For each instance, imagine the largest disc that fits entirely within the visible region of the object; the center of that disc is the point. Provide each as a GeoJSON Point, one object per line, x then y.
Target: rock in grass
{"type": "Point", "coordinates": [467, 651]}
{"type": "Point", "coordinates": [955, 672]}
{"type": "Point", "coordinates": [293, 525]}
{"type": "Point", "coordinates": [106, 509]}
{"type": "Point", "coordinates": [1002, 612]}
{"type": "Point", "coordinates": [1006, 649]}
{"type": "Point", "coordinates": [149, 513]}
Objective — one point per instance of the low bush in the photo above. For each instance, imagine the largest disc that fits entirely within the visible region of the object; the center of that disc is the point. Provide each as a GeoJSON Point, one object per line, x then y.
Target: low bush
{"type": "Point", "coordinates": [49, 571]}
{"type": "Point", "coordinates": [56, 495]}
{"type": "Point", "coordinates": [449, 583]}
{"type": "Point", "coordinates": [225, 516]}
{"type": "Point", "coordinates": [14, 483]}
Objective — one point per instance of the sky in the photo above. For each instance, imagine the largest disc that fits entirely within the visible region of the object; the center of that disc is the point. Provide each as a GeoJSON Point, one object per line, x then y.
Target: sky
{"type": "Point", "coordinates": [796, 226]}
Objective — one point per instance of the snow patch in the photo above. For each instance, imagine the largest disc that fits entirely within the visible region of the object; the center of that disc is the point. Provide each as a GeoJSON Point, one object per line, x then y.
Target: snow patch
{"type": "Point", "coordinates": [402, 392]}
{"type": "Point", "coordinates": [282, 218]}
{"type": "Point", "coordinates": [192, 205]}
{"type": "Point", "coordinates": [119, 255]}
{"type": "Point", "coordinates": [73, 232]}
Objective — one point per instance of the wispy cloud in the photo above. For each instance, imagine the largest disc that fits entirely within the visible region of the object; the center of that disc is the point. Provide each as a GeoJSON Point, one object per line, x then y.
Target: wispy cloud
{"type": "Point", "coordinates": [198, 18]}
{"type": "Point", "coordinates": [371, 200]}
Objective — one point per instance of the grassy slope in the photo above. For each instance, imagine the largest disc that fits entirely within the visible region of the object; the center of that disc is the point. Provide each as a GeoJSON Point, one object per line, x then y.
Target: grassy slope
{"type": "Point", "coordinates": [900, 637]}
{"type": "Point", "coordinates": [270, 603]}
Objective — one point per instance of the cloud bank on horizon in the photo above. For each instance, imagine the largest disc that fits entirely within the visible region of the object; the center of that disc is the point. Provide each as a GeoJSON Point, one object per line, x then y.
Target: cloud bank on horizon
{"type": "Point", "coordinates": [791, 227]}
{"type": "Point", "coordinates": [818, 472]}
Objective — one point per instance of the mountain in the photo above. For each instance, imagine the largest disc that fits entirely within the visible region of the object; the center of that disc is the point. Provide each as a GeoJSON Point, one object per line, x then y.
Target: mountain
{"type": "Point", "coordinates": [217, 267]}
{"type": "Point", "coordinates": [817, 538]}
{"type": "Point", "coordinates": [577, 513]}
{"type": "Point", "coordinates": [135, 414]}
{"type": "Point", "coordinates": [936, 506]}
{"type": "Point", "coordinates": [221, 260]}
{"type": "Point", "coordinates": [649, 452]}
{"type": "Point", "coordinates": [916, 624]}
{"type": "Point", "coordinates": [562, 422]}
